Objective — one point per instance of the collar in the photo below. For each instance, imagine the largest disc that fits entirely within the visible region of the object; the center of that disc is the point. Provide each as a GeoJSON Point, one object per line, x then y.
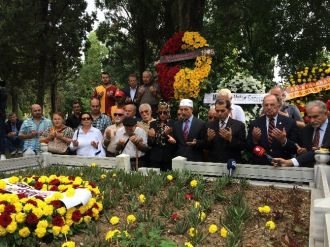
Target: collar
{"type": "Point", "coordinates": [323, 126]}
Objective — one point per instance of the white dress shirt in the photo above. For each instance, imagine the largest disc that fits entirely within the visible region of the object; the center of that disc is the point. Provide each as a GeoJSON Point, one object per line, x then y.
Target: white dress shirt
{"type": "Point", "coordinates": [237, 113]}
{"type": "Point", "coordinates": [84, 147]}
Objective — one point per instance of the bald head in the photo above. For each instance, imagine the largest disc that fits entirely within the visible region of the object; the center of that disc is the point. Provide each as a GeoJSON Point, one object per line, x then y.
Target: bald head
{"type": "Point", "coordinates": [36, 111]}
{"type": "Point", "coordinates": [95, 106]}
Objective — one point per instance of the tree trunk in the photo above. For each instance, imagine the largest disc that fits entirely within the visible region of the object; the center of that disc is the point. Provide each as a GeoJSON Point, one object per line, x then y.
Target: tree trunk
{"type": "Point", "coordinates": [188, 15]}
{"type": "Point", "coordinates": [53, 86]}
{"type": "Point", "coordinates": [43, 60]}
{"type": "Point", "coordinates": [141, 47]}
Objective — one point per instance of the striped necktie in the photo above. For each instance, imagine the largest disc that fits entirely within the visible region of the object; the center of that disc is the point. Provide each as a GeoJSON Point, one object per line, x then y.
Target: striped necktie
{"type": "Point", "coordinates": [316, 139]}
{"type": "Point", "coordinates": [186, 130]}
{"type": "Point", "coordinates": [271, 126]}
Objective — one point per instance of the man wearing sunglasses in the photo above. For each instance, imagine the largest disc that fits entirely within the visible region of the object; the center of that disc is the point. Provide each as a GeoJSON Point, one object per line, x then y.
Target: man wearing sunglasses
{"type": "Point", "coordinates": [226, 137]}
{"type": "Point", "coordinates": [110, 132]}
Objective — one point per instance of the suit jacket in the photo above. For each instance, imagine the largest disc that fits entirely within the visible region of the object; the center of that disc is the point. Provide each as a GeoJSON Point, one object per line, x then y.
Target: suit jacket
{"type": "Point", "coordinates": [196, 131]}
{"type": "Point", "coordinates": [220, 150]}
{"type": "Point", "coordinates": [305, 140]}
{"type": "Point", "coordinates": [128, 93]}
{"type": "Point", "coordinates": [8, 126]}
{"type": "Point", "coordinates": [274, 149]}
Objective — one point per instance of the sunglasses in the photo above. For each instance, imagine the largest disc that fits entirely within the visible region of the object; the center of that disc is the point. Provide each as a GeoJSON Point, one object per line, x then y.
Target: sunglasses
{"type": "Point", "coordinates": [163, 113]}
{"type": "Point", "coordinates": [85, 118]}
{"type": "Point", "coordinates": [118, 114]}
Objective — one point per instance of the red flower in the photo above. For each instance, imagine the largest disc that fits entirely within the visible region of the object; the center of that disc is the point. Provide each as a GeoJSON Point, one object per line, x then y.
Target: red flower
{"type": "Point", "coordinates": [76, 216]}
{"type": "Point", "coordinates": [21, 195]}
{"type": "Point", "coordinates": [58, 220]}
{"type": "Point", "coordinates": [56, 203]}
{"type": "Point", "coordinates": [38, 185]}
{"type": "Point", "coordinates": [188, 196]}
{"type": "Point", "coordinates": [71, 178]}
{"type": "Point", "coordinates": [34, 203]}
{"type": "Point", "coordinates": [32, 219]}
{"type": "Point", "coordinates": [174, 216]}
{"type": "Point", "coordinates": [173, 44]}
{"type": "Point", "coordinates": [53, 188]}
{"type": "Point", "coordinates": [328, 104]}
{"type": "Point", "coordinates": [40, 198]}
{"type": "Point", "coordinates": [10, 209]}
{"type": "Point", "coordinates": [5, 220]}
{"type": "Point", "coordinates": [75, 186]}
{"type": "Point", "coordinates": [92, 184]}
{"type": "Point", "coordinates": [89, 212]}
{"type": "Point", "coordinates": [55, 182]}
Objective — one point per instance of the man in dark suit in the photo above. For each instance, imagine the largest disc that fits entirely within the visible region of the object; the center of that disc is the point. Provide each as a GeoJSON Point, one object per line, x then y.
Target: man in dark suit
{"type": "Point", "coordinates": [12, 127]}
{"type": "Point", "coordinates": [226, 137]}
{"type": "Point", "coordinates": [273, 131]}
{"type": "Point", "coordinates": [189, 133]}
{"type": "Point", "coordinates": [131, 90]}
{"type": "Point", "coordinates": [311, 137]}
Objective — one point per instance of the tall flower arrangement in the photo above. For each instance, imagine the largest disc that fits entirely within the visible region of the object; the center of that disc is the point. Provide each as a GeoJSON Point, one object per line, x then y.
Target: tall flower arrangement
{"type": "Point", "coordinates": [175, 79]}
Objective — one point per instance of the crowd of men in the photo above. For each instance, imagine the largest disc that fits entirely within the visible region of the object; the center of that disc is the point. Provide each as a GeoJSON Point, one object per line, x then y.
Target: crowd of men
{"type": "Point", "coordinates": [124, 118]}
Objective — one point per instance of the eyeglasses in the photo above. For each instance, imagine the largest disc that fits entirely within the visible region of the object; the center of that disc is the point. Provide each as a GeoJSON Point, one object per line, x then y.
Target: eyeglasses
{"type": "Point", "coordinates": [118, 114]}
{"type": "Point", "coordinates": [85, 118]}
{"type": "Point", "coordinates": [163, 113]}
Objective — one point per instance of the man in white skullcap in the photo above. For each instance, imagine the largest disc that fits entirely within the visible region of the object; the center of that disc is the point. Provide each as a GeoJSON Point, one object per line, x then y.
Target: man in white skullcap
{"type": "Point", "coordinates": [189, 133]}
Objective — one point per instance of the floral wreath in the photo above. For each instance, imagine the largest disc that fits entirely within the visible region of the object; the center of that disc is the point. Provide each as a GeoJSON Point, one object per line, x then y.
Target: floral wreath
{"type": "Point", "coordinates": [307, 79]}
{"type": "Point", "coordinates": [39, 216]}
{"type": "Point", "coordinates": [175, 79]}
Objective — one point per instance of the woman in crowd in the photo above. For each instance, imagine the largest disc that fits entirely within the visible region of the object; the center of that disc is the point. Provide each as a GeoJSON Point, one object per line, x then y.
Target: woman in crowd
{"type": "Point", "coordinates": [59, 136]}
{"type": "Point", "coordinates": [87, 140]}
{"type": "Point", "coordinates": [160, 140]}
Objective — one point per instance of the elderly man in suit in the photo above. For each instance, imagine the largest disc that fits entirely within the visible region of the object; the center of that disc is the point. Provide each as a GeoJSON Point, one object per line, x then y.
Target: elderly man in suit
{"type": "Point", "coordinates": [276, 133]}
{"type": "Point", "coordinates": [311, 137]}
{"type": "Point", "coordinates": [226, 137]}
{"type": "Point", "coordinates": [189, 133]}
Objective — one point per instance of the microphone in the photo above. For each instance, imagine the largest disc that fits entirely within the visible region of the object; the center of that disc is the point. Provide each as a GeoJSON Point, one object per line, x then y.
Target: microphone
{"type": "Point", "coordinates": [231, 166]}
{"type": "Point", "coordinates": [260, 151]}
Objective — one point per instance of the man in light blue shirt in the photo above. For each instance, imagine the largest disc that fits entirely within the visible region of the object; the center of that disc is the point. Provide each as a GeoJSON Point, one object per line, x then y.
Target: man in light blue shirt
{"type": "Point", "coordinates": [32, 128]}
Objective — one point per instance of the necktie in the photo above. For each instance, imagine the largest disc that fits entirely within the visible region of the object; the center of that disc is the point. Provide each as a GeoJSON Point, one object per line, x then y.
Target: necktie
{"type": "Point", "coordinates": [316, 139]}
{"type": "Point", "coordinates": [271, 126]}
{"type": "Point", "coordinates": [222, 124]}
{"type": "Point", "coordinates": [186, 130]}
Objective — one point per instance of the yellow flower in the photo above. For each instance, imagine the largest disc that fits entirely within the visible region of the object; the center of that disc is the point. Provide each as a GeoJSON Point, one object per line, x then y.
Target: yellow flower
{"type": "Point", "coordinates": [103, 176]}
{"type": "Point", "coordinates": [193, 183]}
{"type": "Point", "coordinates": [264, 209]}
{"type": "Point", "coordinates": [40, 232]}
{"type": "Point", "coordinates": [188, 244]}
{"type": "Point", "coordinates": [69, 244]}
{"type": "Point", "coordinates": [65, 229]}
{"type": "Point", "coordinates": [56, 230]}
{"type": "Point", "coordinates": [93, 164]}
{"type": "Point", "coordinates": [70, 192]}
{"type": "Point", "coordinates": [169, 177]}
{"type": "Point", "coordinates": [2, 231]}
{"type": "Point", "coordinates": [197, 205]}
{"type": "Point", "coordinates": [24, 232]}
{"type": "Point", "coordinates": [270, 225]}
{"type": "Point", "coordinates": [2, 184]}
{"type": "Point", "coordinates": [11, 228]}
{"type": "Point", "coordinates": [131, 219]}
{"type": "Point", "coordinates": [13, 180]}
{"type": "Point", "coordinates": [110, 234]}
{"type": "Point", "coordinates": [42, 224]}
{"type": "Point", "coordinates": [213, 228]}
{"type": "Point", "coordinates": [61, 210]}
{"type": "Point", "coordinates": [202, 216]}
{"type": "Point", "coordinates": [223, 232]}
{"type": "Point", "coordinates": [87, 219]}
{"type": "Point", "coordinates": [114, 220]}
{"type": "Point", "coordinates": [20, 217]}
{"type": "Point", "coordinates": [142, 198]}
{"type": "Point", "coordinates": [114, 175]}
{"type": "Point", "coordinates": [192, 232]}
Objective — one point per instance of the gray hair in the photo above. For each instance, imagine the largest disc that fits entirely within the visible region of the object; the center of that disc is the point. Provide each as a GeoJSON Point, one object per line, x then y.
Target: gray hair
{"type": "Point", "coordinates": [320, 104]}
{"type": "Point", "coordinates": [145, 105]}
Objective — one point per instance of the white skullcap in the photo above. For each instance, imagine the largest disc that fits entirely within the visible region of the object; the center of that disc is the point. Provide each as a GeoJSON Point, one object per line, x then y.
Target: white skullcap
{"type": "Point", "coordinates": [186, 102]}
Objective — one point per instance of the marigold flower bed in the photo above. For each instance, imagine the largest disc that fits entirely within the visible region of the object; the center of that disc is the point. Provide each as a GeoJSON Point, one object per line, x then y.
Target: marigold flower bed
{"type": "Point", "coordinates": [183, 209]}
